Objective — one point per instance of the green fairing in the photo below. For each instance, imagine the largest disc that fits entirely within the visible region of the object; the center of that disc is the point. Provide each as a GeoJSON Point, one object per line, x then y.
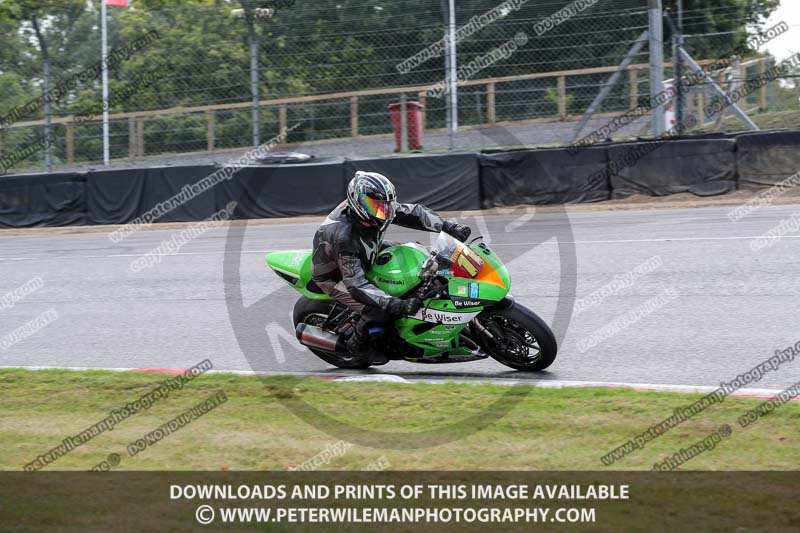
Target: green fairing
{"type": "Point", "coordinates": [433, 340]}
{"type": "Point", "coordinates": [440, 338]}
{"type": "Point", "coordinates": [401, 273]}
{"type": "Point", "coordinates": [487, 291]}
{"type": "Point", "coordinates": [397, 277]}
{"type": "Point", "coordinates": [492, 258]}
{"type": "Point", "coordinates": [294, 267]}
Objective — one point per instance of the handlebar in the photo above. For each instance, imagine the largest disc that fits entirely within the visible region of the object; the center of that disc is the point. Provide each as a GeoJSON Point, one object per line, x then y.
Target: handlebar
{"type": "Point", "coordinates": [431, 293]}
{"type": "Point", "coordinates": [425, 291]}
{"type": "Point", "coordinates": [427, 275]}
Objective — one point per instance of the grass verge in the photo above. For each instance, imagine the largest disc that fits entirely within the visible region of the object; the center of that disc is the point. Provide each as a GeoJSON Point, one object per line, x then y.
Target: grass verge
{"type": "Point", "coordinates": [546, 429]}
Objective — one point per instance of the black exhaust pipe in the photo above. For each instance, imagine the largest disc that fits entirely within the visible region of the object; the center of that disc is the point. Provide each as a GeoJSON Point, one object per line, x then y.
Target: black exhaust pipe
{"type": "Point", "coordinates": [317, 338]}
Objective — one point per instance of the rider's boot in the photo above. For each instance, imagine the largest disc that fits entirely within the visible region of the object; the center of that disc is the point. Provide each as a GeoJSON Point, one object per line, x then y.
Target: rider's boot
{"type": "Point", "coordinates": [359, 345]}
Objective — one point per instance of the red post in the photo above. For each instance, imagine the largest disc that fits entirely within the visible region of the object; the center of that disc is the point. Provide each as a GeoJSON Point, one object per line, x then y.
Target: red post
{"type": "Point", "coordinates": [413, 124]}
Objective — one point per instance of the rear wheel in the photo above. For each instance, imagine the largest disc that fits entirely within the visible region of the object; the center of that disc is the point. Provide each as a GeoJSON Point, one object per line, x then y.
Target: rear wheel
{"type": "Point", "coordinates": [522, 340]}
{"type": "Point", "coordinates": [314, 313]}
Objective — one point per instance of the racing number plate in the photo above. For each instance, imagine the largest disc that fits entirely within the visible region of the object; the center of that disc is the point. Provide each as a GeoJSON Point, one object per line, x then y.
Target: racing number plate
{"type": "Point", "coordinates": [466, 263]}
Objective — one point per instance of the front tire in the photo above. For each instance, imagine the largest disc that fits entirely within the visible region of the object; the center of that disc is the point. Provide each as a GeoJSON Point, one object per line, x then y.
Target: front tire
{"type": "Point", "coordinates": [523, 341]}
{"type": "Point", "coordinates": [314, 312]}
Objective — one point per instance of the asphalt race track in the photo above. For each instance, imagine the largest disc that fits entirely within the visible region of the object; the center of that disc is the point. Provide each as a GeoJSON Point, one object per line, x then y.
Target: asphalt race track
{"type": "Point", "coordinates": [734, 306]}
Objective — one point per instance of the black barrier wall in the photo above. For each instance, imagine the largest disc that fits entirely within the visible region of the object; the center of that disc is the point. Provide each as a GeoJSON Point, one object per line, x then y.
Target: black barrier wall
{"type": "Point", "coordinates": [543, 177]}
{"type": "Point", "coordinates": [119, 196]}
{"type": "Point", "coordinates": [702, 167]}
{"type": "Point", "coordinates": [764, 159]}
{"type": "Point", "coordinates": [271, 191]}
{"type": "Point", "coordinates": [705, 165]}
{"type": "Point", "coordinates": [444, 182]}
{"type": "Point", "coordinates": [43, 200]}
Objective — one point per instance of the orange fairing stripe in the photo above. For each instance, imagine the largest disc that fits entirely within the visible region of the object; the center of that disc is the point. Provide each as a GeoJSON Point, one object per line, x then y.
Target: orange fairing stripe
{"type": "Point", "coordinates": [489, 274]}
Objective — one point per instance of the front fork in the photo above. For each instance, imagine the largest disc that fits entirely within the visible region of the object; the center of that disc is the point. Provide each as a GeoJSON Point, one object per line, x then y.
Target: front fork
{"type": "Point", "coordinates": [485, 332]}
{"type": "Point", "coordinates": [482, 330]}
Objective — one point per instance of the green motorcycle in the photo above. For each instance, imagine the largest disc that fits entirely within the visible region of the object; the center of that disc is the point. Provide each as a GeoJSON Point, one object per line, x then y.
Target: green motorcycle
{"type": "Point", "coordinates": [467, 314]}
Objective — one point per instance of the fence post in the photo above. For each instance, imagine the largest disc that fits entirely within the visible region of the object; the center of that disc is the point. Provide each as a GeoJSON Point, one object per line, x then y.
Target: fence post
{"type": "Point", "coordinates": [490, 116]}
{"type": "Point", "coordinates": [282, 118]}
{"type": "Point", "coordinates": [562, 97]}
{"type": "Point", "coordinates": [354, 116]}
{"type": "Point", "coordinates": [762, 72]}
{"type": "Point", "coordinates": [70, 143]}
{"type": "Point", "coordinates": [633, 79]}
{"type": "Point", "coordinates": [48, 127]}
{"type": "Point", "coordinates": [131, 138]}
{"type": "Point", "coordinates": [772, 87]}
{"type": "Point", "coordinates": [139, 136]}
{"type": "Point", "coordinates": [211, 134]}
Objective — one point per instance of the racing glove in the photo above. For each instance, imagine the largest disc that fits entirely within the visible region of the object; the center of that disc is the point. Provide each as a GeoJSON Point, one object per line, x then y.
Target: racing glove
{"type": "Point", "coordinates": [459, 231]}
{"type": "Point", "coordinates": [405, 307]}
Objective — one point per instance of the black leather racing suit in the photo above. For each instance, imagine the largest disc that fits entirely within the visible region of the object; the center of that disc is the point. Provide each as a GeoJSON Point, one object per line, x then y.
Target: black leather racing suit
{"type": "Point", "coordinates": [344, 250]}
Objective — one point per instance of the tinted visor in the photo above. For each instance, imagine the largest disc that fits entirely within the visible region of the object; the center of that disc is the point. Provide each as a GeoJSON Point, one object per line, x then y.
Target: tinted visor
{"type": "Point", "coordinates": [378, 209]}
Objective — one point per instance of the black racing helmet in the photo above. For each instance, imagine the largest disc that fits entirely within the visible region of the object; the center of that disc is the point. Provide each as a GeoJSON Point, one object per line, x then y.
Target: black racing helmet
{"type": "Point", "coordinates": [371, 198]}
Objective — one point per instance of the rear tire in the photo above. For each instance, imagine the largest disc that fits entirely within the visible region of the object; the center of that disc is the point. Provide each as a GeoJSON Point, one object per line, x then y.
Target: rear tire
{"type": "Point", "coordinates": [314, 312]}
{"type": "Point", "coordinates": [529, 342]}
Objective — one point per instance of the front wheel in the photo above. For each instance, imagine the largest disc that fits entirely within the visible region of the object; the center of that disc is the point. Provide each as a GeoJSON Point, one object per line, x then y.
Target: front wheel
{"type": "Point", "coordinates": [315, 312]}
{"type": "Point", "coordinates": [522, 340]}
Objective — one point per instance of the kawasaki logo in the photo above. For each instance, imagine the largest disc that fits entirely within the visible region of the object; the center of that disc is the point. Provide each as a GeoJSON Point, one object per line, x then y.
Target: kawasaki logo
{"type": "Point", "coordinates": [392, 281]}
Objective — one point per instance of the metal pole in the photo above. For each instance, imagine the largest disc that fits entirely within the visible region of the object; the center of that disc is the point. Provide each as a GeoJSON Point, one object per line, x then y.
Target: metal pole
{"type": "Point", "coordinates": [656, 62]}
{"type": "Point", "coordinates": [734, 86]}
{"type": "Point", "coordinates": [48, 151]}
{"type": "Point", "coordinates": [676, 57]}
{"type": "Point", "coordinates": [677, 77]}
{"type": "Point", "coordinates": [403, 123]}
{"type": "Point", "coordinates": [720, 92]}
{"type": "Point", "coordinates": [447, 108]}
{"type": "Point", "coordinates": [446, 17]}
{"type": "Point", "coordinates": [254, 83]}
{"type": "Point", "coordinates": [453, 94]}
{"type": "Point", "coordinates": [104, 46]}
{"type": "Point", "coordinates": [610, 83]}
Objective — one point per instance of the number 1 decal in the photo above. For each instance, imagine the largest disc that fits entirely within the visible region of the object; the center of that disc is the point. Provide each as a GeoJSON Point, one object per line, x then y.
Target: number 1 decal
{"type": "Point", "coordinates": [472, 265]}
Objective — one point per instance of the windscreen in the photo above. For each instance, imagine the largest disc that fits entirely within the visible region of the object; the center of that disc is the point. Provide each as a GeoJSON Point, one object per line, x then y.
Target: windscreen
{"type": "Point", "coordinates": [466, 263]}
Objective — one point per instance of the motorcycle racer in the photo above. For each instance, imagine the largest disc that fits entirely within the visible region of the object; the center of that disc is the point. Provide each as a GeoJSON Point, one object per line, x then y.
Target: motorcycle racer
{"type": "Point", "coordinates": [349, 241]}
